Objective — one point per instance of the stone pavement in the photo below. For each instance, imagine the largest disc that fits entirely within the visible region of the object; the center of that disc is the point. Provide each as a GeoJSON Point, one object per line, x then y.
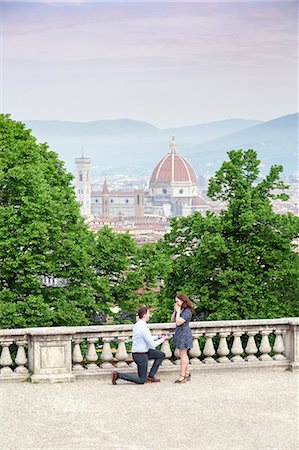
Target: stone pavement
{"type": "Point", "coordinates": [237, 410]}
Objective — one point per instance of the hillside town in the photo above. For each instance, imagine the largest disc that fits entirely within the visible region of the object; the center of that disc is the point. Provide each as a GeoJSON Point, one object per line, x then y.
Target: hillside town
{"type": "Point", "coordinates": [144, 206]}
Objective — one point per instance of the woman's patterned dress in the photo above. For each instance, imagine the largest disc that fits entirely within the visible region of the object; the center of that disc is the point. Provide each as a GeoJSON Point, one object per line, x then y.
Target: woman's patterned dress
{"type": "Point", "coordinates": [183, 336]}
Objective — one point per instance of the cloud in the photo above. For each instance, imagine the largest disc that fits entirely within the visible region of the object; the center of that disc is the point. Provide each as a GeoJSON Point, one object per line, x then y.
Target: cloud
{"type": "Point", "coordinates": [108, 54]}
{"type": "Point", "coordinates": [87, 32]}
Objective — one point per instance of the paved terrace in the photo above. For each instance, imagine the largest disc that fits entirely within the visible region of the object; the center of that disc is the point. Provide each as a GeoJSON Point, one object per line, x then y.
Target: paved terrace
{"type": "Point", "coordinates": [252, 409]}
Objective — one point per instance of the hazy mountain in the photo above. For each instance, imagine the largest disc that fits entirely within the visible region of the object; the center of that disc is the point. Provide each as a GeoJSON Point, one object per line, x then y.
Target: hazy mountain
{"type": "Point", "coordinates": [206, 132]}
{"type": "Point", "coordinates": [135, 147]}
{"type": "Point", "coordinates": [275, 141]}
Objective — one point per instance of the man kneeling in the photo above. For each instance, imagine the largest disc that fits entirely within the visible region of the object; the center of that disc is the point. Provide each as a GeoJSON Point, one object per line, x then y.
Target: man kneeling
{"type": "Point", "coordinates": [144, 348]}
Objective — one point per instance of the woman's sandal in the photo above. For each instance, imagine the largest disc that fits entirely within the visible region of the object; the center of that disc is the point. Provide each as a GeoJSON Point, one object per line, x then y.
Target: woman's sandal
{"type": "Point", "coordinates": [188, 377]}
{"type": "Point", "coordinates": [181, 379]}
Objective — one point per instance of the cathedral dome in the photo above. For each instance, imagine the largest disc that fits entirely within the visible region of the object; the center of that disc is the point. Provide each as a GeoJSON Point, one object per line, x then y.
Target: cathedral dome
{"type": "Point", "coordinates": [173, 168]}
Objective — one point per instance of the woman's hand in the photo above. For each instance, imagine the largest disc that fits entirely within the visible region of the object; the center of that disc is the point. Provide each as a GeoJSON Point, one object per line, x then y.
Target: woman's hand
{"type": "Point", "coordinates": [177, 308]}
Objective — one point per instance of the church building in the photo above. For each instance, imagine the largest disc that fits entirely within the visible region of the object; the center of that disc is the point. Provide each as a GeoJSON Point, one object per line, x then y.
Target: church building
{"type": "Point", "coordinates": [173, 191]}
{"type": "Point", "coordinates": [173, 186]}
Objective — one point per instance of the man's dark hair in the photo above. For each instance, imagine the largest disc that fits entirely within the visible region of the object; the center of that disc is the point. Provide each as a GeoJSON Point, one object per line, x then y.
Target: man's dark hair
{"type": "Point", "coordinates": [142, 311]}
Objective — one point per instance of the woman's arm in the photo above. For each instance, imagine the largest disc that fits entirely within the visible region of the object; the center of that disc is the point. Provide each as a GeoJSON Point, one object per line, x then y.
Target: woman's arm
{"type": "Point", "coordinates": [179, 320]}
{"type": "Point", "coordinates": [173, 316]}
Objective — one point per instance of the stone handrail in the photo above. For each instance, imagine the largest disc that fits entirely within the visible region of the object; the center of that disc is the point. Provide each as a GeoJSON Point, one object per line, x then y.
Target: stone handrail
{"type": "Point", "coordinates": [66, 353]}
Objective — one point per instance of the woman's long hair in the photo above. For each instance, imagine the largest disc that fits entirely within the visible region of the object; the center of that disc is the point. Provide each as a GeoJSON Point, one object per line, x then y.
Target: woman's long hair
{"type": "Point", "coordinates": [187, 303]}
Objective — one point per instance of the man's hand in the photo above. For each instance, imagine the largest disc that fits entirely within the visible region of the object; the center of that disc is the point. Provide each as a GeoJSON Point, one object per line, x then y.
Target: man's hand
{"type": "Point", "coordinates": [164, 335]}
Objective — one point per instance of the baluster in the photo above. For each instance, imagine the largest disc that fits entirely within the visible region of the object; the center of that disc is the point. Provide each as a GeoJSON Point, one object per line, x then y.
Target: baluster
{"type": "Point", "coordinates": [92, 356]}
{"type": "Point", "coordinates": [5, 359]}
{"type": "Point", "coordinates": [223, 350]}
{"type": "Point", "coordinates": [130, 357]}
{"type": "Point", "coordinates": [209, 349]}
{"type": "Point", "coordinates": [278, 346]}
{"type": "Point", "coordinates": [237, 348]}
{"type": "Point", "coordinates": [251, 347]}
{"type": "Point", "coordinates": [77, 356]}
{"type": "Point", "coordinates": [107, 355]}
{"type": "Point", "coordinates": [168, 354]}
{"type": "Point", "coordinates": [121, 354]}
{"type": "Point", "coordinates": [21, 358]}
{"type": "Point", "coordinates": [265, 347]}
{"type": "Point", "coordinates": [195, 351]}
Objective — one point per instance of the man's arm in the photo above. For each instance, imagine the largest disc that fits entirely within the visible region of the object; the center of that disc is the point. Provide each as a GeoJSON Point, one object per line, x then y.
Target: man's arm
{"type": "Point", "coordinates": [151, 342]}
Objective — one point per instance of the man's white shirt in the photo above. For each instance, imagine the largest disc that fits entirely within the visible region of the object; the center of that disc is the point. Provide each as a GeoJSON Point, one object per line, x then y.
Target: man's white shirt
{"type": "Point", "coordinates": [142, 338]}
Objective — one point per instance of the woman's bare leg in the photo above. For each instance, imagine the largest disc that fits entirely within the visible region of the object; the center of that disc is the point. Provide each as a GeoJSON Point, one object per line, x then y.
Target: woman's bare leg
{"type": "Point", "coordinates": [184, 361]}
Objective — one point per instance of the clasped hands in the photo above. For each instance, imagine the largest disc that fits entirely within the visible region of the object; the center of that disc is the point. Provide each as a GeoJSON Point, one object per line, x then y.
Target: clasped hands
{"type": "Point", "coordinates": [164, 335]}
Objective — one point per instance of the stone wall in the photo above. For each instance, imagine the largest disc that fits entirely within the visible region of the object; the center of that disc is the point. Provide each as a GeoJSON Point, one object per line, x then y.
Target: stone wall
{"type": "Point", "coordinates": [67, 353]}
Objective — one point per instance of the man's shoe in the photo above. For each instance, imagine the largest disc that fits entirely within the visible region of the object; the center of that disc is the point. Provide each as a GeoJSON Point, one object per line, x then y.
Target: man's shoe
{"type": "Point", "coordinates": [115, 377]}
{"type": "Point", "coordinates": [153, 380]}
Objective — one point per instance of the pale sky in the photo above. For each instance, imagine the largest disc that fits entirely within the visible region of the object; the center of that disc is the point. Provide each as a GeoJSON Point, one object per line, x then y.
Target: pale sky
{"type": "Point", "coordinates": [167, 63]}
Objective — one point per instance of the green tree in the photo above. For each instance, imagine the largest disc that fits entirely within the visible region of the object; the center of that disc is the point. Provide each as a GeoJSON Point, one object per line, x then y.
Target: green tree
{"type": "Point", "coordinates": [41, 235]}
{"type": "Point", "coordinates": [130, 273]}
{"type": "Point", "coordinates": [241, 264]}
{"type": "Point", "coordinates": [114, 263]}
{"type": "Point", "coordinates": [181, 246]}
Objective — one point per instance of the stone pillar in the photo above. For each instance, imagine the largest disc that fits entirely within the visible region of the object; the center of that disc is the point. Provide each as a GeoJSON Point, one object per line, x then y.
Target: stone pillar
{"type": "Point", "coordinates": [292, 345]}
{"type": "Point", "coordinates": [278, 346]}
{"type": "Point", "coordinates": [195, 351]}
{"type": "Point", "coordinates": [107, 355]}
{"type": "Point", "coordinates": [209, 349]}
{"type": "Point", "coordinates": [5, 359]}
{"type": "Point", "coordinates": [77, 356]}
{"type": "Point", "coordinates": [121, 354]}
{"type": "Point", "coordinates": [50, 357]}
{"type": "Point", "coordinates": [92, 356]}
{"type": "Point", "coordinates": [223, 350]}
{"type": "Point", "coordinates": [21, 358]}
{"type": "Point", "coordinates": [237, 348]}
{"type": "Point", "coordinates": [251, 348]}
{"type": "Point", "coordinates": [265, 347]}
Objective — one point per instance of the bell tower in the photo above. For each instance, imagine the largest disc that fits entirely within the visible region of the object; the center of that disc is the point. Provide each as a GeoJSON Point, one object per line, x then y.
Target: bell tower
{"type": "Point", "coordinates": [83, 184]}
{"type": "Point", "coordinates": [105, 204]}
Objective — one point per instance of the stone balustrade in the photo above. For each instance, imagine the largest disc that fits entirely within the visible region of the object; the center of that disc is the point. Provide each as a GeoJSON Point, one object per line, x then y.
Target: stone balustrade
{"type": "Point", "coordinates": [66, 353]}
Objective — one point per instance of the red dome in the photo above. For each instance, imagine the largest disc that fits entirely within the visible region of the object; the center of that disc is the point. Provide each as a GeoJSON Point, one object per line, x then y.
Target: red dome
{"type": "Point", "coordinates": [173, 168]}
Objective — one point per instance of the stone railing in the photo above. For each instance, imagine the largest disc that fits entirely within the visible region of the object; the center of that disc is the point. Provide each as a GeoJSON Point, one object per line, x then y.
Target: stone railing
{"type": "Point", "coordinates": [67, 353]}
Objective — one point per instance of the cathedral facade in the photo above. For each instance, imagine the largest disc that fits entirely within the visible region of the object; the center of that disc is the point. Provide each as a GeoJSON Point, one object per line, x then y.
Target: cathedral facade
{"type": "Point", "coordinates": [173, 191]}
{"type": "Point", "coordinates": [173, 186]}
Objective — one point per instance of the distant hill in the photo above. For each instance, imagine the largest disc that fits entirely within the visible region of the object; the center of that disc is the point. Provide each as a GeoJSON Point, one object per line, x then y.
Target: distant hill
{"type": "Point", "coordinates": [275, 141]}
{"type": "Point", "coordinates": [135, 147]}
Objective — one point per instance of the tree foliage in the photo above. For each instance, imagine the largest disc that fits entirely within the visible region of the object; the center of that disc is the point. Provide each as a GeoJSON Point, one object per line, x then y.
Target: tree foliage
{"type": "Point", "coordinates": [41, 235]}
{"type": "Point", "coordinates": [237, 265]}
{"type": "Point", "coordinates": [130, 273]}
{"type": "Point", "coordinates": [241, 263]}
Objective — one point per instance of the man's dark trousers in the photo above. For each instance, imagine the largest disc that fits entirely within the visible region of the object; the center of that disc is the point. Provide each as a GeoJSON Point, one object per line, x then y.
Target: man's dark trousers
{"type": "Point", "coordinates": [141, 359]}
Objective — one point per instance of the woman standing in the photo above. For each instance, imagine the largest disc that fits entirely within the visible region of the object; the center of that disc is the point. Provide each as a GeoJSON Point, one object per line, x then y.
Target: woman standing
{"type": "Point", "coordinates": [182, 338]}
